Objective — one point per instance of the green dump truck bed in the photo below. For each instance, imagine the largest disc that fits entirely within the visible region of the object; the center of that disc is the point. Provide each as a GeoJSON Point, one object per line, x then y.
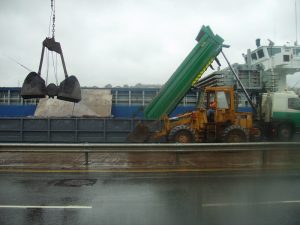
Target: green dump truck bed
{"type": "Point", "coordinates": [190, 70]}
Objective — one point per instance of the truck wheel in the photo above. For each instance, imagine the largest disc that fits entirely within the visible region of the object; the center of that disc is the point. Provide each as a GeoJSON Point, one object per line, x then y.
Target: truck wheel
{"type": "Point", "coordinates": [234, 134]}
{"type": "Point", "coordinates": [182, 134]}
{"type": "Point", "coordinates": [256, 133]}
{"type": "Point", "coordinates": [285, 132]}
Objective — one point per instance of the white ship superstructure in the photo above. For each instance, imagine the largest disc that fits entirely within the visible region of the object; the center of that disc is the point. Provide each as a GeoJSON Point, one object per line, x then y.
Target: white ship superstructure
{"type": "Point", "coordinates": [265, 70]}
{"type": "Point", "coordinates": [275, 62]}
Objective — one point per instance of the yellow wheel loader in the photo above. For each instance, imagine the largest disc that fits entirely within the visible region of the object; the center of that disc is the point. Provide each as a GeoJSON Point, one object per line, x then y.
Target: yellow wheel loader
{"type": "Point", "coordinates": [220, 124]}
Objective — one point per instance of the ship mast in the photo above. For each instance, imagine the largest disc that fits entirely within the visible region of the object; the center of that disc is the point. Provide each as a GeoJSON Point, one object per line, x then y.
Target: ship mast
{"type": "Point", "coordinates": [296, 23]}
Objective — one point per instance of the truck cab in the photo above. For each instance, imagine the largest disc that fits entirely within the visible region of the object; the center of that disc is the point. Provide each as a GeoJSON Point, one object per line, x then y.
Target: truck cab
{"type": "Point", "coordinates": [282, 111]}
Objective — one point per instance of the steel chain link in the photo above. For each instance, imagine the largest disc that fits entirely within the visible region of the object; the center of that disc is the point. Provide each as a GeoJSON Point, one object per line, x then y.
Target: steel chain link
{"type": "Point", "coordinates": [53, 18]}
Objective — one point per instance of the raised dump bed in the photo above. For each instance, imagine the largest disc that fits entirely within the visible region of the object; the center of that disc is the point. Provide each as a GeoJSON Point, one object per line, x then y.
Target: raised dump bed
{"type": "Point", "coordinates": [190, 70]}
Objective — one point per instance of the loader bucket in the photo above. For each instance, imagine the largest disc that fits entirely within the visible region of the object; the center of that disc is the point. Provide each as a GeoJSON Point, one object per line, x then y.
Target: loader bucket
{"type": "Point", "coordinates": [140, 134]}
{"type": "Point", "coordinates": [69, 90]}
{"type": "Point", "coordinates": [33, 86]}
{"type": "Point", "coordinates": [52, 90]}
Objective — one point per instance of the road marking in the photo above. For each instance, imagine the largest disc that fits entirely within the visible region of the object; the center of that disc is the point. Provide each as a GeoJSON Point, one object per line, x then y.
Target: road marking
{"type": "Point", "coordinates": [233, 204]}
{"type": "Point", "coordinates": [46, 206]}
{"type": "Point", "coordinates": [123, 170]}
{"type": "Point", "coordinates": [128, 170]}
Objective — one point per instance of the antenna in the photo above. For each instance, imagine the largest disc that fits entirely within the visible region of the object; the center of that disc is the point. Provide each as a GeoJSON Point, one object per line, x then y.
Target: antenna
{"type": "Point", "coordinates": [296, 22]}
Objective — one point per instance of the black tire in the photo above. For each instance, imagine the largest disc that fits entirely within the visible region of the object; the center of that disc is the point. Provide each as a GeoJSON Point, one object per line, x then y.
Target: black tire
{"type": "Point", "coordinates": [182, 134]}
{"type": "Point", "coordinates": [284, 132]}
{"type": "Point", "coordinates": [257, 133]}
{"type": "Point", "coordinates": [234, 134]}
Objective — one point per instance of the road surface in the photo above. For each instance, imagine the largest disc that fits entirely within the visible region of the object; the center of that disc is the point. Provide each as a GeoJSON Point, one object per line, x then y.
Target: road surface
{"type": "Point", "coordinates": [253, 197]}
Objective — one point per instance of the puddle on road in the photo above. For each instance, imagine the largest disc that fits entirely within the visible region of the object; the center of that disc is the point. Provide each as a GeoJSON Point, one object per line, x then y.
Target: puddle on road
{"type": "Point", "coordinates": [74, 182]}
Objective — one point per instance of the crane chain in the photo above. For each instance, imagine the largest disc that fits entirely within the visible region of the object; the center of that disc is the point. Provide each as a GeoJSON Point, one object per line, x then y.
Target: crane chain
{"type": "Point", "coordinates": [53, 17]}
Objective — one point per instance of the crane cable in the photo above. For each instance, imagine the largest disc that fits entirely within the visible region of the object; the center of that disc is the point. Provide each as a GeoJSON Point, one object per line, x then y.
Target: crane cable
{"type": "Point", "coordinates": [52, 24]}
{"type": "Point", "coordinates": [52, 17]}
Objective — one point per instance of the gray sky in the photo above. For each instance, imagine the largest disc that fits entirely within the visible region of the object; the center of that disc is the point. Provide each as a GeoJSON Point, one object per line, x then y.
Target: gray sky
{"type": "Point", "coordinates": [130, 41]}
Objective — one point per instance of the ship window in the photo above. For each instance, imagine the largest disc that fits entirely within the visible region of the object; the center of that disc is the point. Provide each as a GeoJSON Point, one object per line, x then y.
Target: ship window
{"type": "Point", "coordinates": [286, 58]}
{"type": "Point", "coordinates": [273, 51]}
{"type": "Point", "coordinates": [294, 103]}
{"type": "Point", "coordinates": [298, 52]}
{"type": "Point", "coordinates": [253, 56]}
{"type": "Point", "coordinates": [260, 53]}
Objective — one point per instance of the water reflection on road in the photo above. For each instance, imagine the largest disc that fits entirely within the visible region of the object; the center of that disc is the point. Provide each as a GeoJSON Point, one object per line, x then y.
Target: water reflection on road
{"type": "Point", "coordinates": [150, 198]}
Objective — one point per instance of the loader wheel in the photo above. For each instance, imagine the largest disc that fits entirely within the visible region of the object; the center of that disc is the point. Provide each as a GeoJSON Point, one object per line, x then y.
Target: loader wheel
{"type": "Point", "coordinates": [285, 132]}
{"type": "Point", "coordinates": [234, 134]}
{"type": "Point", "coordinates": [182, 134]}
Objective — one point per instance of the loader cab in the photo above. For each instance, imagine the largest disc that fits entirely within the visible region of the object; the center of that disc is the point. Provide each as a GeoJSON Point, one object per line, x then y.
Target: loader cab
{"type": "Point", "coordinates": [219, 104]}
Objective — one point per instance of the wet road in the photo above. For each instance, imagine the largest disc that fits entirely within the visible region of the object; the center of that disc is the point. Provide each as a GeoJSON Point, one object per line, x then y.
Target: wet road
{"type": "Point", "coordinates": [147, 198]}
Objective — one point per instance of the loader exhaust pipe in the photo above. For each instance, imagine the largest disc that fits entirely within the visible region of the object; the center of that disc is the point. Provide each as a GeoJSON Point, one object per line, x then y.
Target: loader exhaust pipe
{"type": "Point", "coordinates": [240, 83]}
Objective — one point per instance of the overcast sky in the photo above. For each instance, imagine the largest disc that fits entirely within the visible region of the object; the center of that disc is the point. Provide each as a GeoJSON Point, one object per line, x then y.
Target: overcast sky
{"type": "Point", "coordinates": [129, 41]}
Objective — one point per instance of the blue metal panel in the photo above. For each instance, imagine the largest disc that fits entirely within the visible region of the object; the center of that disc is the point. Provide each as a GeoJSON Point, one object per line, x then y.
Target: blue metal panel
{"type": "Point", "coordinates": [135, 111]}
{"type": "Point", "coordinates": [118, 111]}
{"type": "Point", "coordinates": [245, 109]}
{"type": "Point", "coordinates": [126, 111]}
{"type": "Point", "coordinates": [17, 110]}
{"type": "Point", "coordinates": [10, 89]}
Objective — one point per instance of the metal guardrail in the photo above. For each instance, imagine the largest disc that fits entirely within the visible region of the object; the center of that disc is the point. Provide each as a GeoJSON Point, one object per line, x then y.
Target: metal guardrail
{"type": "Point", "coordinates": [119, 148]}
{"type": "Point", "coordinates": [88, 148]}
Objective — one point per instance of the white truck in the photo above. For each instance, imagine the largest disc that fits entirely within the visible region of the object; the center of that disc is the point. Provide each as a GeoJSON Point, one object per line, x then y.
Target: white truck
{"type": "Point", "coordinates": [280, 113]}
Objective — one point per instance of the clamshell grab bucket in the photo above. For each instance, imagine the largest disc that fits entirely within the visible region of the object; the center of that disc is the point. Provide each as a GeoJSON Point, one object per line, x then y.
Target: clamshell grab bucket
{"type": "Point", "coordinates": [69, 90]}
{"type": "Point", "coordinates": [52, 90]}
{"type": "Point", "coordinates": [33, 87]}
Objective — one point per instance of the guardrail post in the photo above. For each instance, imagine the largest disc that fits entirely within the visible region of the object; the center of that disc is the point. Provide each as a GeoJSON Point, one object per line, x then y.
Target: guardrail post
{"type": "Point", "coordinates": [86, 155]}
